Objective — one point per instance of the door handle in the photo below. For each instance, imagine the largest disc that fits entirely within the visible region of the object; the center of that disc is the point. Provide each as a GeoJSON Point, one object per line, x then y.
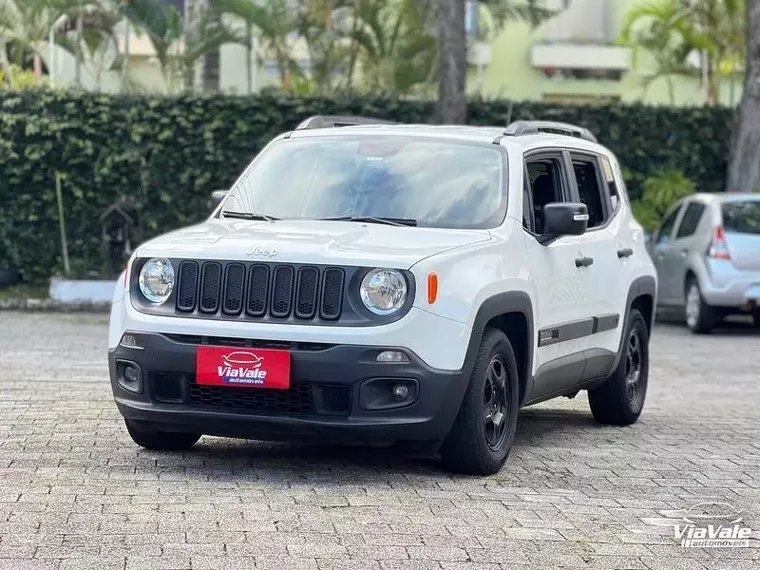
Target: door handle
{"type": "Point", "coordinates": [584, 261]}
{"type": "Point", "coordinates": [625, 252]}
{"type": "Point", "coordinates": [684, 253]}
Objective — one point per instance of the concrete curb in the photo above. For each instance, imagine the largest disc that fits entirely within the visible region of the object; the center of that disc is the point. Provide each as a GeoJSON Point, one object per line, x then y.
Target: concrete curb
{"type": "Point", "coordinates": [52, 306]}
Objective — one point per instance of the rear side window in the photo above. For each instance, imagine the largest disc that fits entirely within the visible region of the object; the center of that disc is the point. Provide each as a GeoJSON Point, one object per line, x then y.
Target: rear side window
{"type": "Point", "coordinates": [663, 235]}
{"type": "Point", "coordinates": [611, 184]}
{"type": "Point", "coordinates": [742, 217]}
{"type": "Point", "coordinates": [591, 195]}
{"type": "Point", "coordinates": [690, 220]}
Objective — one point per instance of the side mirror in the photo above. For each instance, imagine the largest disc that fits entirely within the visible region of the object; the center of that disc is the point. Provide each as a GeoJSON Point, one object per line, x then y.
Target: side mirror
{"type": "Point", "coordinates": [216, 198]}
{"type": "Point", "coordinates": [563, 219]}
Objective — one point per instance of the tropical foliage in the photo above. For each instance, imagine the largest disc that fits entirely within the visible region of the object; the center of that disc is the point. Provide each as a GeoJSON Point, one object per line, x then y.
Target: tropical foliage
{"type": "Point", "coordinates": [364, 46]}
{"type": "Point", "coordinates": [660, 191]}
{"type": "Point", "coordinates": [166, 154]}
{"type": "Point", "coordinates": [693, 38]}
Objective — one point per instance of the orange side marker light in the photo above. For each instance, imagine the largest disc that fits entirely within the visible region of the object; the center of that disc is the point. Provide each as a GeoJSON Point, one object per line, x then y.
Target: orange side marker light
{"type": "Point", "coordinates": [432, 288]}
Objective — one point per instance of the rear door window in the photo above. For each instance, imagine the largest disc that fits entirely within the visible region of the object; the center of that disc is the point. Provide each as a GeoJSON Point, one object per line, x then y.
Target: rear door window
{"type": "Point", "coordinates": [742, 217]}
{"type": "Point", "coordinates": [690, 220]}
{"type": "Point", "coordinates": [666, 229]}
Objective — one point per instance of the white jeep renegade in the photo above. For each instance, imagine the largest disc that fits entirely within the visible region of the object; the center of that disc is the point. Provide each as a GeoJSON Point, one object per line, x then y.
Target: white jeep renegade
{"type": "Point", "coordinates": [386, 283]}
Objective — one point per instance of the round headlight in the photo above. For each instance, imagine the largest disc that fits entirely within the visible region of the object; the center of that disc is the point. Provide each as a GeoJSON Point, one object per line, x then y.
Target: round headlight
{"type": "Point", "coordinates": [383, 291]}
{"type": "Point", "coordinates": [157, 280]}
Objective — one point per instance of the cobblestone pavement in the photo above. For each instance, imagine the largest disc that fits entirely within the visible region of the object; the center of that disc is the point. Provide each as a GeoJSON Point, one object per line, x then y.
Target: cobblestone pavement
{"type": "Point", "coordinates": [75, 492]}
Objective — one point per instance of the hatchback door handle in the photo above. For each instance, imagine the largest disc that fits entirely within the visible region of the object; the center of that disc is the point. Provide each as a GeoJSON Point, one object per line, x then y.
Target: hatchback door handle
{"type": "Point", "coordinates": [626, 252]}
{"type": "Point", "coordinates": [584, 261]}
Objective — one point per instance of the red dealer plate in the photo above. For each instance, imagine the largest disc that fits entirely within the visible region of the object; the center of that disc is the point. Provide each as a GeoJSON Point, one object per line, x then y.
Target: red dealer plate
{"type": "Point", "coordinates": [244, 368]}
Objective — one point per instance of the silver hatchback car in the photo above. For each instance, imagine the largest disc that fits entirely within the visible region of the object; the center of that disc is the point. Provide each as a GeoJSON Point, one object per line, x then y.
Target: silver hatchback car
{"type": "Point", "coordinates": [707, 254]}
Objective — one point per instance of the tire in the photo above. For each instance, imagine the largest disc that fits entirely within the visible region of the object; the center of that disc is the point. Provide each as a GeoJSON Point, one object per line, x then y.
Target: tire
{"type": "Point", "coordinates": [700, 317]}
{"type": "Point", "coordinates": [620, 399]}
{"type": "Point", "coordinates": [149, 438]}
{"type": "Point", "coordinates": [476, 444]}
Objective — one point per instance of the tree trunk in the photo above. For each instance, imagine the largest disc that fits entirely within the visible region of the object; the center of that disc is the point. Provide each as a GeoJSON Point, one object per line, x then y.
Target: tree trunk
{"type": "Point", "coordinates": [248, 59]}
{"type": "Point", "coordinates": [4, 64]}
{"type": "Point", "coordinates": [744, 170]}
{"type": "Point", "coordinates": [125, 61]}
{"type": "Point", "coordinates": [452, 62]}
{"type": "Point", "coordinates": [37, 65]}
{"type": "Point", "coordinates": [78, 68]}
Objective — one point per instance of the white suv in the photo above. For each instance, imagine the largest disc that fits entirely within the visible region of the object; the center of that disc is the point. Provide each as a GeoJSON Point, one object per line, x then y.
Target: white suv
{"type": "Point", "coordinates": [383, 283]}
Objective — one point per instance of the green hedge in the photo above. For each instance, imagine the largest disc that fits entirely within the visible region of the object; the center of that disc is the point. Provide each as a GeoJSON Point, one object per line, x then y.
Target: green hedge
{"type": "Point", "coordinates": [167, 154]}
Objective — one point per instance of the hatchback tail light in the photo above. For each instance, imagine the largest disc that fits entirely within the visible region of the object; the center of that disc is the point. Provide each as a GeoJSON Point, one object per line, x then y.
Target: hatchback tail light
{"type": "Point", "coordinates": [718, 247]}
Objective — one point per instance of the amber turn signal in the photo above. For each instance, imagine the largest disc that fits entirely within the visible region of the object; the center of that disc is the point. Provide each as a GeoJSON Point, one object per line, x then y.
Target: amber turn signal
{"type": "Point", "coordinates": [432, 288]}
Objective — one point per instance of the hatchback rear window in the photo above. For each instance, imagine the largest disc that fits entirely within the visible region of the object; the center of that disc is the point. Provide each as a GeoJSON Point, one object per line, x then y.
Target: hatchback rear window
{"type": "Point", "coordinates": [742, 217]}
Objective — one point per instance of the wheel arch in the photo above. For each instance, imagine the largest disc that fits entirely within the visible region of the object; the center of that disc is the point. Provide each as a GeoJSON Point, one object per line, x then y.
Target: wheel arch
{"type": "Point", "coordinates": [642, 295]}
{"type": "Point", "coordinates": [690, 274]}
{"type": "Point", "coordinates": [512, 313]}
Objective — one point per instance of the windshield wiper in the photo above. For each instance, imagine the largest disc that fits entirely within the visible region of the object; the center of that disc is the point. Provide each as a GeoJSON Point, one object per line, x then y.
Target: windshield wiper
{"type": "Point", "coordinates": [248, 216]}
{"type": "Point", "coordinates": [375, 220]}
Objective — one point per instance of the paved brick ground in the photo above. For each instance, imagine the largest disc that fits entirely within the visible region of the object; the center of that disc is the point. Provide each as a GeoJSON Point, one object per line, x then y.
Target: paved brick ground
{"type": "Point", "coordinates": [76, 493]}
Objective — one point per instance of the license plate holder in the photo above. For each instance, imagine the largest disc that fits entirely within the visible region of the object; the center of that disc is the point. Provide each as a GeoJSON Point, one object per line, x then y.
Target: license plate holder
{"type": "Point", "coordinates": [242, 367]}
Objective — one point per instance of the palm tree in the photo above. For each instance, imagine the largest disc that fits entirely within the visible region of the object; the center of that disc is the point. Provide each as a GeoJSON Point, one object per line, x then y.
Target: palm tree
{"type": "Point", "coordinates": [675, 31]}
{"type": "Point", "coordinates": [389, 44]}
{"type": "Point", "coordinates": [665, 37]}
{"type": "Point", "coordinates": [27, 24]}
{"type": "Point", "coordinates": [272, 21]}
{"type": "Point", "coordinates": [178, 45]}
{"type": "Point", "coordinates": [452, 48]}
{"type": "Point", "coordinates": [76, 25]}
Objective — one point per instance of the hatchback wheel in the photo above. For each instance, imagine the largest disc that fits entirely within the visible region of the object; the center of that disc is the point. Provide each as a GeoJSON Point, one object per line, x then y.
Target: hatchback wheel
{"type": "Point", "coordinates": [483, 432]}
{"type": "Point", "coordinates": [700, 317]}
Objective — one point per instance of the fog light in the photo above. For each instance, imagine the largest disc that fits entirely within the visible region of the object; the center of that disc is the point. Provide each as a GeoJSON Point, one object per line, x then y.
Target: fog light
{"type": "Point", "coordinates": [388, 393]}
{"type": "Point", "coordinates": [392, 356]}
{"type": "Point", "coordinates": [131, 374]}
{"type": "Point", "coordinates": [400, 392]}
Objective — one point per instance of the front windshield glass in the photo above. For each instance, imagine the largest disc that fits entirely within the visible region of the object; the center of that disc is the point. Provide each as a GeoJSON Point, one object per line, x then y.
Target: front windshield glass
{"type": "Point", "coordinates": [435, 183]}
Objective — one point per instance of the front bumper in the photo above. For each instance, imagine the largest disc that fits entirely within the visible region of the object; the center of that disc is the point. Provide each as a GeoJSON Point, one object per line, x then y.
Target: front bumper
{"type": "Point", "coordinates": [335, 393]}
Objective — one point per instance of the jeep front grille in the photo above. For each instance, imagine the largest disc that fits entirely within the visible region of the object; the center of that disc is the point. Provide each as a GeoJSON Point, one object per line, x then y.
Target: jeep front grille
{"type": "Point", "coordinates": [256, 291]}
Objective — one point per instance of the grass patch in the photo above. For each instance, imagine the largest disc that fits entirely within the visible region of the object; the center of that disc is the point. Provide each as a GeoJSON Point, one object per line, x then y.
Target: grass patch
{"type": "Point", "coordinates": [24, 291]}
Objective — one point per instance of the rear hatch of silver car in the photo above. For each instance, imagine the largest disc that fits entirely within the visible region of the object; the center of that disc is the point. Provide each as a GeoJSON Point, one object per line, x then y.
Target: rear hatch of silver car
{"type": "Point", "coordinates": [741, 222]}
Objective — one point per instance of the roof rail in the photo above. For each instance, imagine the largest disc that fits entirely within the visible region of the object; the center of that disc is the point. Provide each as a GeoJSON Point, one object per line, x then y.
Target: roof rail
{"type": "Point", "coordinates": [323, 121]}
{"type": "Point", "coordinates": [519, 128]}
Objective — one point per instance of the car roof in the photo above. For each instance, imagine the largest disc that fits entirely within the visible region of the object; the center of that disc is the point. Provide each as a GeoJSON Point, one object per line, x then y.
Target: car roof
{"type": "Point", "coordinates": [464, 133]}
{"type": "Point", "coordinates": [723, 197]}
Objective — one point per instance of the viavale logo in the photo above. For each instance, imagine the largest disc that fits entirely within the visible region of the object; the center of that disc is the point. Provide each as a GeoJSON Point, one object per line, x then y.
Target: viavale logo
{"type": "Point", "coordinates": [707, 525]}
{"type": "Point", "coordinates": [242, 368]}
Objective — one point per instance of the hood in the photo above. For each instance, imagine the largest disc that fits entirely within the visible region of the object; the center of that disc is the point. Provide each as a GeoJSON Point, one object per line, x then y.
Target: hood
{"type": "Point", "coordinates": [309, 241]}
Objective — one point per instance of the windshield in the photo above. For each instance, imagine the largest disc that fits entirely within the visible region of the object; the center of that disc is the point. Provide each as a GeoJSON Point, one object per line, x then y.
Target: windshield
{"type": "Point", "coordinates": [742, 217]}
{"type": "Point", "coordinates": [434, 183]}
